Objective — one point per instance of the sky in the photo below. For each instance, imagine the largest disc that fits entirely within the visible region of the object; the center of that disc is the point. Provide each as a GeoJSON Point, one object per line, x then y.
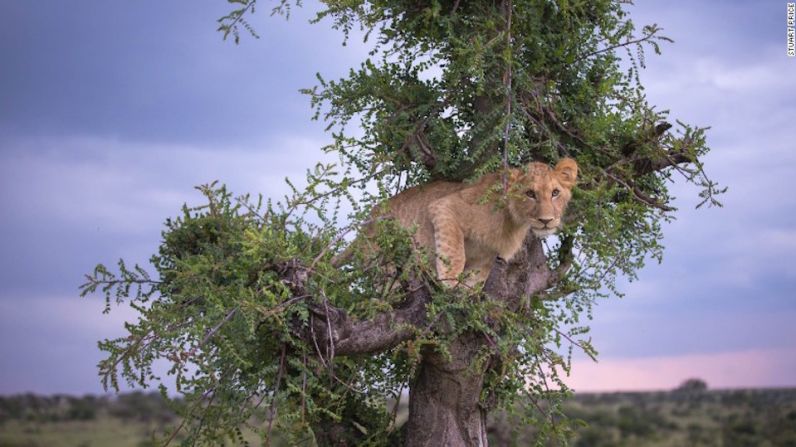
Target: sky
{"type": "Point", "coordinates": [110, 113]}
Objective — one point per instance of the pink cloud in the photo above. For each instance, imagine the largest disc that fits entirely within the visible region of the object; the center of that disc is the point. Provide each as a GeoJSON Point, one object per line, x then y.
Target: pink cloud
{"type": "Point", "coordinates": [741, 369]}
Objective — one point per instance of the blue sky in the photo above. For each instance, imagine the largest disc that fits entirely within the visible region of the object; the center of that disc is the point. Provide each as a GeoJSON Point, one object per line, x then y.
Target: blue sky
{"type": "Point", "coordinates": [111, 112]}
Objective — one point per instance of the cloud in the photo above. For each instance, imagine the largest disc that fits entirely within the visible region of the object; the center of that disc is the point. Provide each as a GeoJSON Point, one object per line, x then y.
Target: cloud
{"type": "Point", "coordinates": [728, 273]}
{"type": "Point", "coordinates": [49, 343]}
{"type": "Point", "coordinates": [120, 186]}
{"type": "Point", "coordinates": [708, 75]}
{"type": "Point", "coordinates": [53, 343]}
{"type": "Point", "coordinates": [747, 78]}
{"type": "Point", "coordinates": [77, 201]}
{"type": "Point", "coordinates": [158, 71]}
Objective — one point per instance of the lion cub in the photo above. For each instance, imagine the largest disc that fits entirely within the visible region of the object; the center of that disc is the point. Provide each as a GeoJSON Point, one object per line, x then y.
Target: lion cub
{"type": "Point", "coordinates": [466, 233]}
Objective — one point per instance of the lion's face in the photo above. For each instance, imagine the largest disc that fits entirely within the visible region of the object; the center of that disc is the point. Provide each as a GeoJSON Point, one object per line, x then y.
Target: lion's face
{"type": "Point", "coordinates": [541, 194]}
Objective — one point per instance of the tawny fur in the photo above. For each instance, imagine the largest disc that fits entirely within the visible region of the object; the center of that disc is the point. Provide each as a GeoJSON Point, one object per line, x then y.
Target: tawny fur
{"type": "Point", "coordinates": [466, 233]}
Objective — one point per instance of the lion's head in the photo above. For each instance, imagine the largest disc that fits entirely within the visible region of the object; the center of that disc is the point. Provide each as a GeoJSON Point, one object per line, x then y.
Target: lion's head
{"type": "Point", "coordinates": [540, 194]}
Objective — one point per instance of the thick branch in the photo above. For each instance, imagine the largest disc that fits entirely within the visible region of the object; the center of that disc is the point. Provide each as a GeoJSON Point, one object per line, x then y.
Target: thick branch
{"type": "Point", "coordinates": [647, 165]}
{"type": "Point", "coordinates": [378, 333]}
{"type": "Point", "coordinates": [527, 274]}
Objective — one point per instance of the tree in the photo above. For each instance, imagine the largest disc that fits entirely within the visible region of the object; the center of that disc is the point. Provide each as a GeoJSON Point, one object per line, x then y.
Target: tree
{"type": "Point", "coordinates": [691, 392]}
{"type": "Point", "coordinates": [259, 324]}
{"type": "Point", "coordinates": [692, 386]}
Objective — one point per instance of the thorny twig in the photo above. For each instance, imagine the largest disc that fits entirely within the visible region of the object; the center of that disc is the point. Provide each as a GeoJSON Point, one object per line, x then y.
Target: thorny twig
{"type": "Point", "coordinates": [215, 329]}
{"type": "Point", "coordinates": [626, 43]}
{"type": "Point", "coordinates": [507, 78]}
{"type": "Point", "coordinates": [576, 343]}
{"type": "Point", "coordinates": [272, 408]}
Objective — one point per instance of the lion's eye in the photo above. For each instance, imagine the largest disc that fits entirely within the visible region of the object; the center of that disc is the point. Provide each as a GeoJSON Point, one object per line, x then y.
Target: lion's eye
{"type": "Point", "coordinates": [556, 193]}
{"type": "Point", "coordinates": [530, 194]}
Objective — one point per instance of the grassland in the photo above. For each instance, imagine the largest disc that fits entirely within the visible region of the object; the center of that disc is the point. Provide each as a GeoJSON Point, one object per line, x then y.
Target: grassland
{"type": "Point", "coordinates": [684, 417]}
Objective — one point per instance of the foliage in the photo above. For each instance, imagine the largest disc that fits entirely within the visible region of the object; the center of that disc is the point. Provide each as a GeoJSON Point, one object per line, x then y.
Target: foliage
{"type": "Point", "coordinates": [229, 325]}
{"type": "Point", "coordinates": [451, 90]}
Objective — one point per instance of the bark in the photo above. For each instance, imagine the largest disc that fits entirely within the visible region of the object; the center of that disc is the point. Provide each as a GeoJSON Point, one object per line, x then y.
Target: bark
{"type": "Point", "coordinates": [445, 398]}
{"type": "Point", "coordinates": [445, 406]}
{"type": "Point", "coordinates": [340, 335]}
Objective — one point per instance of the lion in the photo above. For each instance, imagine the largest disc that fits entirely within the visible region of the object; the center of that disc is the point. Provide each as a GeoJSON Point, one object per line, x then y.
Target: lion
{"type": "Point", "coordinates": [466, 229]}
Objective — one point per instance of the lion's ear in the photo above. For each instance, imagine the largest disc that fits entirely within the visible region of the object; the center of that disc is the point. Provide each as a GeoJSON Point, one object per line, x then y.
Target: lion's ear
{"type": "Point", "coordinates": [567, 172]}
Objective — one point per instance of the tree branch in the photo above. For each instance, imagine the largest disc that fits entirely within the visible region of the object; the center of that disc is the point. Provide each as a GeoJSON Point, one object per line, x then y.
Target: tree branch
{"type": "Point", "coordinates": [639, 194]}
{"type": "Point", "coordinates": [648, 165]}
{"type": "Point", "coordinates": [336, 330]}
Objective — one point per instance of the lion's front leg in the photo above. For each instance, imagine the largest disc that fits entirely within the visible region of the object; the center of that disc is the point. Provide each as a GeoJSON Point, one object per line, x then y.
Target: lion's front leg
{"type": "Point", "coordinates": [448, 245]}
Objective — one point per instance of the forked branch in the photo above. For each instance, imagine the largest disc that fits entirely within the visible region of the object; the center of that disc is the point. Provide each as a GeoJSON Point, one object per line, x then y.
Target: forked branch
{"type": "Point", "coordinates": [333, 330]}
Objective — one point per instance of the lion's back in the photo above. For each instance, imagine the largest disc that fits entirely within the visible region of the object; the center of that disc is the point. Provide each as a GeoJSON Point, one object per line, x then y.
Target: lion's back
{"type": "Point", "coordinates": [410, 207]}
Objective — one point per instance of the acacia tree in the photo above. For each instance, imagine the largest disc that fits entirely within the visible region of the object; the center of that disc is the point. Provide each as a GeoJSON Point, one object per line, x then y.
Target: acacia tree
{"type": "Point", "coordinates": [262, 329]}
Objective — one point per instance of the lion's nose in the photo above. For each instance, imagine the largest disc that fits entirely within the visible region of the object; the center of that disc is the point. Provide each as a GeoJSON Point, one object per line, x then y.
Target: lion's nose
{"type": "Point", "coordinates": [545, 221]}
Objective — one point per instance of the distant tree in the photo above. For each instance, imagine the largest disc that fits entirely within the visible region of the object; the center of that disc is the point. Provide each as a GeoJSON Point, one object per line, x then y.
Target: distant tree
{"type": "Point", "coordinates": [692, 386]}
{"type": "Point", "coordinates": [144, 407]}
{"type": "Point", "coordinates": [259, 325]}
{"type": "Point", "coordinates": [7, 410]}
{"type": "Point", "coordinates": [82, 409]}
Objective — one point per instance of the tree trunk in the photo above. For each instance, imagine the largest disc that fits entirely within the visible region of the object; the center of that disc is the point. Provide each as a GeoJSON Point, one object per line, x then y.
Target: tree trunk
{"type": "Point", "coordinates": [444, 407]}
{"type": "Point", "coordinates": [445, 397]}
